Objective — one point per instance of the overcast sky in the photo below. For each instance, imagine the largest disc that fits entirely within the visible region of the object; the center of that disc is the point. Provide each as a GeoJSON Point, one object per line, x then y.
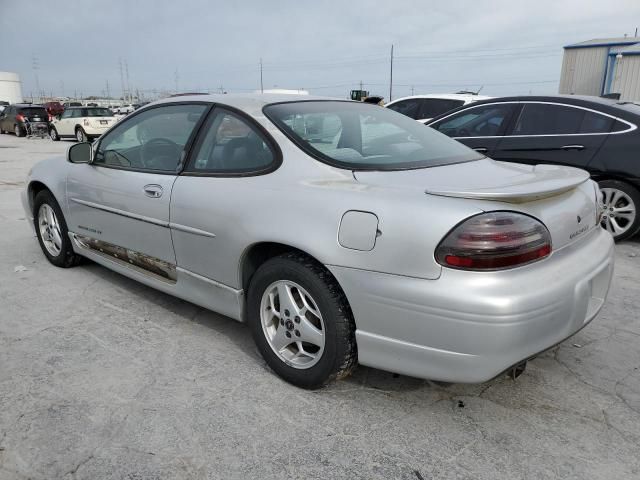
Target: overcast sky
{"type": "Point", "coordinates": [327, 47]}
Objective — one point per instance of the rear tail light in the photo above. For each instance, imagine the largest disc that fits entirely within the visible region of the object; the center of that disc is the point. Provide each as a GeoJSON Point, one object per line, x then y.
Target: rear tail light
{"type": "Point", "coordinates": [494, 241]}
{"type": "Point", "coordinates": [50, 118]}
{"type": "Point", "coordinates": [20, 117]}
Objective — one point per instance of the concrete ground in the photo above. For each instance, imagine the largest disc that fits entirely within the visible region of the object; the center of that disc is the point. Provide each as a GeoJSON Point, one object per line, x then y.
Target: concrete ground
{"type": "Point", "coordinates": [103, 378]}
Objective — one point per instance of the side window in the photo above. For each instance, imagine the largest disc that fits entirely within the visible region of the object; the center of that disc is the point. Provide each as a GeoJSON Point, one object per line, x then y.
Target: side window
{"type": "Point", "coordinates": [432, 107]}
{"type": "Point", "coordinates": [548, 119]}
{"type": "Point", "coordinates": [230, 145]}
{"type": "Point", "coordinates": [619, 126]}
{"type": "Point", "coordinates": [595, 123]}
{"type": "Point", "coordinates": [152, 140]}
{"type": "Point", "coordinates": [66, 114]}
{"type": "Point", "coordinates": [482, 121]}
{"type": "Point", "coordinates": [410, 108]}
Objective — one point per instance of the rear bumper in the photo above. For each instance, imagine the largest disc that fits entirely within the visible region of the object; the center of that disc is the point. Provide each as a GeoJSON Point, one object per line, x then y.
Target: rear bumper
{"type": "Point", "coordinates": [471, 326]}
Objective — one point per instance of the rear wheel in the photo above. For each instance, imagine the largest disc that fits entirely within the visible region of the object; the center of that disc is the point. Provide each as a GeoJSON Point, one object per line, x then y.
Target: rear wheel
{"type": "Point", "coordinates": [80, 135]}
{"type": "Point", "coordinates": [53, 134]}
{"type": "Point", "coordinates": [301, 321]}
{"type": "Point", "coordinates": [52, 231]}
{"type": "Point", "coordinates": [620, 202]}
{"type": "Point", "coordinates": [18, 131]}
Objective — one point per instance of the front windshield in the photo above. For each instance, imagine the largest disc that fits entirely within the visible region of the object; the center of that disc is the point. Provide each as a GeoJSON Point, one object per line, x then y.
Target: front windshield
{"type": "Point", "coordinates": [99, 112]}
{"type": "Point", "coordinates": [361, 136]}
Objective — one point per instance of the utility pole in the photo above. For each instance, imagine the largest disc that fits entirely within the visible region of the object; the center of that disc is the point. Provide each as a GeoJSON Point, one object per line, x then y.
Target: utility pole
{"type": "Point", "coordinates": [360, 85]}
{"type": "Point", "coordinates": [36, 67]}
{"type": "Point", "coordinates": [61, 88]}
{"type": "Point", "coordinates": [391, 76]}
{"type": "Point", "coordinates": [261, 87]}
{"type": "Point", "coordinates": [411, 90]}
{"type": "Point", "coordinates": [126, 70]}
{"type": "Point", "coordinates": [108, 92]}
{"type": "Point", "coordinates": [176, 77]}
{"type": "Point", "coordinates": [121, 77]}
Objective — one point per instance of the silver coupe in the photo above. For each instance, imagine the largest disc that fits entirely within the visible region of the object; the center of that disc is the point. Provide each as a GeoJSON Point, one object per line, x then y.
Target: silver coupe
{"type": "Point", "coordinates": [341, 232]}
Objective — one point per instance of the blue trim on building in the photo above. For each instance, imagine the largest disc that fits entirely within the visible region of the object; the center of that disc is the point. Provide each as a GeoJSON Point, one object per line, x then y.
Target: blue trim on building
{"type": "Point", "coordinates": [594, 45]}
{"type": "Point", "coordinates": [609, 73]}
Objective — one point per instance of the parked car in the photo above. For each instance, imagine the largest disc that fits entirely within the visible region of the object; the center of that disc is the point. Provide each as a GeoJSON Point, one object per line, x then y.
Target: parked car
{"type": "Point", "coordinates": [125, 109]}
{"type": "Point", "coordinates": [16, 117]}
{"type": "Point", "coordinates": [341, 232]}
{"type": "Point", "coordinates": [54, 109]}
{"type": "Point", "coordinates": [81, 123]}
{"type": "Point", "coordinates": [3, 105]}
{"type": "Point", "coordinates": [424, 107]}
{"type": "Point", "coordinates": [597, 134]}
{"type": "Point", "coordinates": [71, 104]}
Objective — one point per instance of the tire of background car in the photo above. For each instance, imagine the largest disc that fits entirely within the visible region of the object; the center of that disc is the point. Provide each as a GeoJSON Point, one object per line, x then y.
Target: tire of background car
{"type": "Point", "coordinates": [293, 324]}
{"type": "Point", "coordinates": [53, 134]}
{"type": "Point", "coordinates": [621, 202]}
{"type": "Point", "coordinates": [18, 131]}
{"type": "Point", "coordinates": [80, 135]}
{"type": "Point", "coordinates": [52, 231]}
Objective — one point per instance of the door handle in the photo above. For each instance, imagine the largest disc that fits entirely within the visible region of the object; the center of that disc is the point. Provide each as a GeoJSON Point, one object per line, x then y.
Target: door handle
{"type": "Point", "coordinates": [573, 147]}
{"type": "Point", "coordinates": [481, 150]}
{"type": "Point", "coordinates": [153, 191]}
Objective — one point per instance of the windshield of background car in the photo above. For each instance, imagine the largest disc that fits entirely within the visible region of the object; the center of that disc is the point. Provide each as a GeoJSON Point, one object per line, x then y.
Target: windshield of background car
{"type": "Point", "coordinates": [360, 136]}
{"type": "Point", "coordinates": [99, 112]}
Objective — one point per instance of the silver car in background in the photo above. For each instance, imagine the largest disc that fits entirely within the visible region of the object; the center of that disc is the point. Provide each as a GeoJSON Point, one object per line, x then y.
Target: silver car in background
{"type": "Point", "coordinates": [341, 232]}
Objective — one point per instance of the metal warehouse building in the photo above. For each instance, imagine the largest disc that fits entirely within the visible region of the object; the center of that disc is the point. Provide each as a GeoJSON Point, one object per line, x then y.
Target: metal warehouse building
{"type": "Point", "coordinates": [602, 66]}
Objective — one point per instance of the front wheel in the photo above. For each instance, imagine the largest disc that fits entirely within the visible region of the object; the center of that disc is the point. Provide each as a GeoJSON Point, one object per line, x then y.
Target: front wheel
{"type": "Point", "coordinates": [52, 231]}
{"type": "Point", "coordinates": [53, 134]}
{"type": "Point", "coordinates": [301, 321]}
{"type": "Point", "coordinates": [620, 203]}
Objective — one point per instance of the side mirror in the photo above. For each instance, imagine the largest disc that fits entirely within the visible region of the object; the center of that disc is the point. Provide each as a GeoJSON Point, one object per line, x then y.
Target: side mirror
{"type": "Point", "coordinates": [80, 153]}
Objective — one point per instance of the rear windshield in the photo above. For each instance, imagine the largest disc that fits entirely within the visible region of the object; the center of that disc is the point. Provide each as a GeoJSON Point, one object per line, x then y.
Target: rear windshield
{"type": "Point", "coordinates": [432, 107]}
{"type": "Point", "coordinates": [33, 111]}
{"type": "Point", "coordinates": [360, 136]}
{"type": "Point", "coordinates": [99, 112]}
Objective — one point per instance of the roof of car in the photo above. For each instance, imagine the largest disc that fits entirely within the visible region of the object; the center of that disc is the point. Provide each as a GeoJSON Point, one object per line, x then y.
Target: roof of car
{"type": "Point", "coordinates": [606, 105]}
{"type": "Point", "coordinates": [467, 97]}
{"type": "Point", "coordinates": [251, 103]}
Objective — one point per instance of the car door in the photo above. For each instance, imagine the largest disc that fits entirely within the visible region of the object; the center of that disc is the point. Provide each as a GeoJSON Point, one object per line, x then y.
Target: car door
{"type": "Point", "coordinates": [228, 165]}
{"type": "Point", "coordinates": [478, 126]}
{"type": "Point", "coordinates": [547, 132]}
{"type": "Point", "coordinates": [121, 199]}
{"type": "Point", "coordinates": [4, 119]}
{"type": "Point", "coordinates": [63, 125]}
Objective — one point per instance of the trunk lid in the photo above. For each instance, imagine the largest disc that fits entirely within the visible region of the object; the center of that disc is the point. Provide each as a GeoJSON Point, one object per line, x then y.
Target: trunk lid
{"type": "Point", "coordinates": [563, 198]}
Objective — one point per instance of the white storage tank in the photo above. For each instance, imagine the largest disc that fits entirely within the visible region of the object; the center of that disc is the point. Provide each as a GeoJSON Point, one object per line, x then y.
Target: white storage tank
{"type": "Point", "coordinates": [10, 87]}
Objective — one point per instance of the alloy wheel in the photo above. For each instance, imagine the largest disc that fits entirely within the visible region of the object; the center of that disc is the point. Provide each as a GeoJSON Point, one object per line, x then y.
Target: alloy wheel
{"type": "Point", "coordinates": [619, 211]}
{"type": "Point", "coordinates": [292, 324]}
{"type": "Point", "coordinates": [49, 230]}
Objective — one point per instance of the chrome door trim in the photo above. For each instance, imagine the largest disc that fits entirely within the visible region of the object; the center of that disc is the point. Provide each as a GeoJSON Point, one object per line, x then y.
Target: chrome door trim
{"type": "Point", "coordinates": [122, 213]}
{"type": "Point", "coordinates": [631, 128]}
{"type": "Point", "coordinates": [194, 231]}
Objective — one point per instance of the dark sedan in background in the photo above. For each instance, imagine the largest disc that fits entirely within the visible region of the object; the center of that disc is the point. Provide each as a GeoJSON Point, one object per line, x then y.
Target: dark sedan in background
{"type": "Point", "coordinates": [19, 118]}
{"type": "Point", "coordinates": [596, 134]}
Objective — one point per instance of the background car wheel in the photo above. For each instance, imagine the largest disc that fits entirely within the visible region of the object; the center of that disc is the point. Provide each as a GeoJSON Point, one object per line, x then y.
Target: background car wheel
{"type": "Point", "coordinates": [620, 202]}
{"type": "Point", "coordinates": [81, 136]}
{"type": "Point", "coordinates": [52, 232]}
{"type": "Point", "coordinates": [18, 131]}
{"type": "Point", "coordinates": [301, 321]}
{"type": "Point", "coordinates": [53, 134]}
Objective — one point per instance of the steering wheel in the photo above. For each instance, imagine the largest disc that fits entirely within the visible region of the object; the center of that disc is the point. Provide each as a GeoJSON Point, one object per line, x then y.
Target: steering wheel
{"type": "Point", "coordinates": [160, 154]}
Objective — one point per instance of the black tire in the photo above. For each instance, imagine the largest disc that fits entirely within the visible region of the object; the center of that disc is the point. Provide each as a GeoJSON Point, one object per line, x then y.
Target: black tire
{"type": "Point", "coordinates": [81, 136]}
{"type": "Point", "coordinates": [67, 257]}
{"type": "Point", "coordinates": [339, 357]}
{"type": "Point", "coordinates": [19, 131]}
{"type": "Point", "coordinates": [634, 195]}
{"type": "Point", "coordinates": [53, 134]}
